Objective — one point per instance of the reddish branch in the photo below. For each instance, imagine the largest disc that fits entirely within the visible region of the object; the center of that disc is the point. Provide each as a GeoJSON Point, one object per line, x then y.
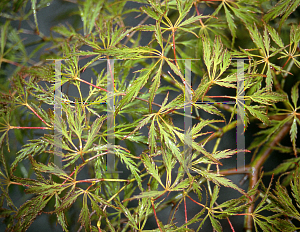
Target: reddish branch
{"type": "Point", "coordinates": [235, 171]}
{"type": "Point", "coordinates": [174, 48]}
{"type": "Point", "coordinates": [155, 215]}
{"type": "Point", "coordinates": [286, 62]}
{"type": "Point", "coordinates": [29, 107]}
{"type": "Point", "coordinates": [10, 62]}
{"type": "Point", "coordinates": [91, 84]}
{"type": "Point", "coordinates": [256, 166]}
{"type": "Point", "coordinates": [198, 13]}
{"type": "Point", "coordinates": [185, 212]}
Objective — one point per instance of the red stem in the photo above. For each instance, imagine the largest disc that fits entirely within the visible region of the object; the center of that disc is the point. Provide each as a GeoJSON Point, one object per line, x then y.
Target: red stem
{"type": "Point", "coordinates": [195, 201]}
{"type": "Point", "coordinates": [68, 177]}
{"type": "Point", "coordinates": [173, 35]}
{"type": "Point", "coordinates": [286, 62]}
{"type": "Point", "coordinates": [185, 212]}
{"type": "Point", "coordinates": [12, 182]}
{"type": "Point", "coordinates": [36, 114]}
{"type": "Point", "coordinates": [198, 13]}
{"type": "Point", "coordinates": [92, 84]}
{"type": "Point", "coordinates": [230, 225]}
{"type": "Point", "coordinates": [10, 62]}
{"type": "Point", "coordinates": [155, 215]}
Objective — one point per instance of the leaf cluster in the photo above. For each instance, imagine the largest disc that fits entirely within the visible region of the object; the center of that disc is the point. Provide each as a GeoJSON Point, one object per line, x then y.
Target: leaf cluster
{"type": "Point", "coordinates": [60, 161]}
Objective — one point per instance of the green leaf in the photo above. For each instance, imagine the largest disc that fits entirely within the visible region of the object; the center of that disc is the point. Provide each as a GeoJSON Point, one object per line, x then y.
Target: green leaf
{"type": "Point", "coordinates": [33, 7]}
{"type": "Point", "coordinates": [154, 87]}
{"type": "Point", "coordinates": [295, 186]}
{"type": "Point", "coordinates": [60, 215]}
{"type": "Point", "coordinates": [202, 89]}
{"type": "Point", "coordinates": [191, 20]}
{"type": "Point", "coordinates": [209, 109]}
{"type": "Point", "coordinates": [169, 163]}
{"type": "Point", "coordinates": [156, 6]}
{"type": "Point", "coordinates": [169, 142]}
{"type": "Point", "coordinates": [93, 132]}
{"type": "Point", "coordinates": [128, 215]}
{"type": "Point", "coordinates": [207, 54]}
{"type": "Point", "coordinates": [89, 13]}
{"type": "Point", "coordinates": [158, 35]}
{"type": "Point", "coordinates": [214, 196]}
{"type": "Point", "coordinates": [133, 90]}
{"type": "Point", "coordinates": [265, 226]}
{"type": "Point", "coordinates": [176, 103]}
{"type": "Point", "coordinates": [175, 69]}
{"type": "Point", "coordinates": [69, 199]}
{"type": "Point", "coordinates": [231, 25]}
{"type": "Point", "coordinates": [285, 166]}
{"type": "Point", "coordinates": [35, 147]}
{"type": "Point", "coordinates": [131, 165]}
{"type": "Point", "coordinates": [29, 211]}
{"type": "Point", "coordinates": [3, 162]}
{"type": "Point", "coordinates": [199, 126]}
{"type": "Point", "coordinates": [84, 216]}
{"type": "Point", "coordinates": [225, 62]}
{"type": "Point", "coordinates": [151, 167]}
{"type": "Point", "coordinates": [283, 8]}
{"type": "Point", "coordinates": [118, 35]}
{"type": "Point", "coordinates": [247, 13]}
{"type": "Point", "coordinates": [295, 94]}
{"type": "Point", "coordinates": [258, 112]}
{"type": "Point", "coordinates": [188, 30]}
{"type": "Point", "coordinates": [151, 138]}
{"type": "Point", "coordinates": [183, 8]}
{"type": "Point", "coordinates": [181, 186]}
{"type": "Point", "coordinates": [215, 223]}
{"type": "Point", "coordinates": [148, 194]}
{"type": "Point", "coordinates": [266, 40]}
{"type": "Point", "coordinates": [64, 30]}
{"type": "Point", "coordinates": [269, 79]}
{"type": "Point", "coordinates": [2, 138]}
{"type": "Point", "coordinates": [220, 180]}
{"type": "Point", "coordinates": [265, 97]}
{"type": "Point", "coordinates": [293, 134]}
{"type": "Point", "coordinates": [275, 36]}
{"type": "Point", "coordinates": [281, 202]}
{"type": "Point", "coordinates": [256, 36]}
{"type": "Point", "coordinates": [50, 168]}
{"type": "Point", "coordinates": [295, 34]}
{"type": "Point", "coordinates": [218, 155]}
{"type": "Point", "coordinates": [150, 12]}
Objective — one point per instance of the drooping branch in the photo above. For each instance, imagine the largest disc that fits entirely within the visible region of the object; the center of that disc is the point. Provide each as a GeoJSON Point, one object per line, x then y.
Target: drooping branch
{"type": "Point", "coordinates": [256, 166]}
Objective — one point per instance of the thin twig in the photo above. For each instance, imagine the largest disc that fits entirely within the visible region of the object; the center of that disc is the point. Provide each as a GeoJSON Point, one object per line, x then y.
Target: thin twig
{"type": "Point", "coordinates": [155, 215]}
{"type": "Point", "coordinates": [29, 107]}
